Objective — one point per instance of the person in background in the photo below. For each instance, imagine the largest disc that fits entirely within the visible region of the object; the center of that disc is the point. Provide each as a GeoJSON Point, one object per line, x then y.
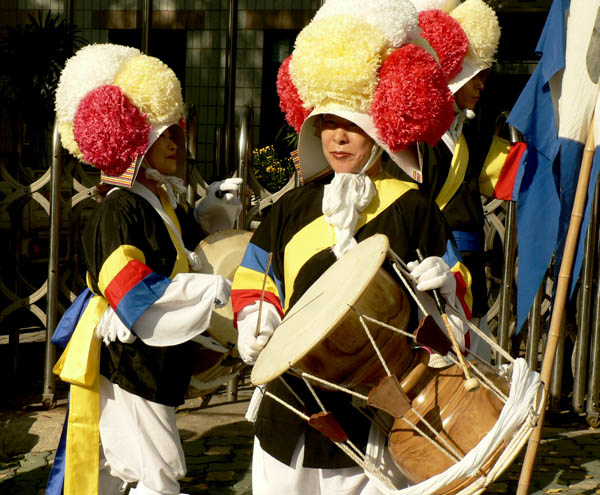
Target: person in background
{"type": "Point", "coordinates": [129, 336]}
{"type": "Point", "coordinates": [351, 67]}
{"type": "Point", "coordinates": [464, 164]}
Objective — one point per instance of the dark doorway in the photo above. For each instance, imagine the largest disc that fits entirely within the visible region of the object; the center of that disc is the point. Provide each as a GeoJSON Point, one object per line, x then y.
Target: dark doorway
{"type": "Point", "coordinates": [278, 44]}
{"type": "Point", "coordinates": [165, 44]}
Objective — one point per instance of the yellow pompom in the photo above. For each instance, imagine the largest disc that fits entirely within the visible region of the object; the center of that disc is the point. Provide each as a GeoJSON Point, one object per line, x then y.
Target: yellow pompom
{"type": "Point", "coordinates": [336, 61]}
{"type": "Point", "coordinates": [65, 130]}
{"type": "Point", "coordinates": [480, 23]}
{"type": "Point", "coordinates": [153, 87]}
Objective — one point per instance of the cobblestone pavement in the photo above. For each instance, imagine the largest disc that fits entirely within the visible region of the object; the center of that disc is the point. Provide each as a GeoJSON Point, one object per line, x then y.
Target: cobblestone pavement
{"type": "Point", "coordinates": [218, 446]}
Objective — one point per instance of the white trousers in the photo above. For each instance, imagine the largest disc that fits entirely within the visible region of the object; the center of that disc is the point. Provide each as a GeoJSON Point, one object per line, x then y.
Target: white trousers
{"type": "Point", "coordinates": [271, 477]}
{"type": "Point", "coordinates": [139, 442]}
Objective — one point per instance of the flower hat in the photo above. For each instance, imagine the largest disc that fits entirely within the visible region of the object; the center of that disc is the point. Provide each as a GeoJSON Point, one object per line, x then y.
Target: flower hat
{"type": "Point", "coordinates": [464, 35]}
{"type": "Point", "coordinates": [367, 63]}
{"type": "Point", "coordinates": [112, 103]}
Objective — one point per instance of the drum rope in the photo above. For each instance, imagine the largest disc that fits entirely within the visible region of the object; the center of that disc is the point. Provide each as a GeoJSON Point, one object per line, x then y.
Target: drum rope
{"type": "Point", "coordinates": [330, 384]}
{"type": "Point", "coordinates": [408, 286]}
{"type": "Point", "coordinates": [351, 451]}
{"type": "Point", "coordinates": [322, 406]}
{"type": "Point", "coordinates": [377, 351]}
{"type": "Point", "coordinates": [450, 452]}
{"type": "Point", "coordinates": [484, 380]}
{"type": "Point", "coordinates": [291, 391]}
{"type": "Point", "coordinates": [491, 342]}
{"type": "Point", "coordinates": [447, 449]}
{"type": "Point", "coordinates": [398, 262]}
{"type": "Point", "coordinates": [389, 327]}
{"type": "Point", "coordinates": [314, 394]}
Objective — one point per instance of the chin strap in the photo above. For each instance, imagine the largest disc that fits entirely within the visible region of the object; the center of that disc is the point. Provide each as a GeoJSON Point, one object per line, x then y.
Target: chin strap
{"type": "Point", "coordinates": [453, 133]}
{"type": "Point", "coordinates": [171, 183]}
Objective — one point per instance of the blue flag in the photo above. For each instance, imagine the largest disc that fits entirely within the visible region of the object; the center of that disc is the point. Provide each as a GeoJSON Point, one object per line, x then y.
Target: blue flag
{"type": "Point", "coordinates": [553, 113]}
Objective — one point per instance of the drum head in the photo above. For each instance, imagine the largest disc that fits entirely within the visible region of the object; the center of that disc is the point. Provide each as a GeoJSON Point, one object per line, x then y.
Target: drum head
{"type": "Point", "coordinates": [222, 254]}
{"type": "Point", "coordinates": [320, 308]}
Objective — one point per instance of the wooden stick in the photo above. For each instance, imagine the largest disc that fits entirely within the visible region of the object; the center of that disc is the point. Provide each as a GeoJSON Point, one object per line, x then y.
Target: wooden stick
{"type": "Point", "coordinates": [262, 294]}
{"type": "Point", "coordinates": [562, 292]}
{"type": "Point", "coordinates": [470, 382]}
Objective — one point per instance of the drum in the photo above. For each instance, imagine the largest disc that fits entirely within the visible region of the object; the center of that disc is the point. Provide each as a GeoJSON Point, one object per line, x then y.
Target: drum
{"type": "Point", "coordinates": [461, 417]}
{"type": "Point", "coordinates": [322, 335]}
{"type": "Point", "coordinates": [444, 438]}
{"type": "Point", "coordinates": [221, 253]}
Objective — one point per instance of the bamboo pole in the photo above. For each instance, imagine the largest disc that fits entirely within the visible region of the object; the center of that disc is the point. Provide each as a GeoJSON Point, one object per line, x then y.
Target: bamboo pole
{"type": "Point", "coordinates": [562, 291]}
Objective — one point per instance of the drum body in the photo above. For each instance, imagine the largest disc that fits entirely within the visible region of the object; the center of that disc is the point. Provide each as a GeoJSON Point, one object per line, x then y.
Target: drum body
{"type": "Point", "coordinates": [322, 334]}
{"type": "Point", "coordinates": [221, 253]}
{"type": "Point", "coordinates": [462, 417]}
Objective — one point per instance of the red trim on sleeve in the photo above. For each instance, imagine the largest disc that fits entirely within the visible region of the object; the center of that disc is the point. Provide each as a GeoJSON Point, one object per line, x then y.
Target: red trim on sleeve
{"type": "Point", "coordinates": [240, 298]}
{"type": "Point", "coordinates": [129, 276]}
{"type": "Point", "coordinates": [506, 181]}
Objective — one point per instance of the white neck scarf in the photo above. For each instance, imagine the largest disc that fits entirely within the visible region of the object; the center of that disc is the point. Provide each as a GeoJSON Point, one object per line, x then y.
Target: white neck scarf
{"type": "Point", "coordinates": [451, 136]}
{"type": "Point", "coordinates": [171, 183]}
{"type": "Point", "coordinates": [344, 199]}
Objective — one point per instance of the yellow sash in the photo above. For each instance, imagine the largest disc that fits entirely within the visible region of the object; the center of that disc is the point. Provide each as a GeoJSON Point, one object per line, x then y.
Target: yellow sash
{"type": "Point", "coordinates": [79, 365]}
{"type": "Point", "coordinates": [456, 174]}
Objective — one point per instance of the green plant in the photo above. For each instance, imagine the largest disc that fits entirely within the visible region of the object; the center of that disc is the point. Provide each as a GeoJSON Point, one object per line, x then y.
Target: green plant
{"type": "Point", "coordinates": [270, 169]}
{"type": "Point", "coordinates": [33, 56]}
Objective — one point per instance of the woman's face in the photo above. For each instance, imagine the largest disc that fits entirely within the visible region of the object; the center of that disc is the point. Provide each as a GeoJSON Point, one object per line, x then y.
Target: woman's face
{"type": "Point", "coordinates": [162, 155]}
{"type": "Point", "coordinates": [345, 145]}
{"type": "Point", "coordinates": [468, 96]}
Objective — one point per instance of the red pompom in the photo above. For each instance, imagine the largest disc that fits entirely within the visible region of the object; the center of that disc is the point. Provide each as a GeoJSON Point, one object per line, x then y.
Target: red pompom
{"type": "Point", "coordinates": [289, 100]}
{"type": "Point", "coordinates": [446, 37]}
{"type": "Point", "coordinates": [110, 131]}
{"type": "Point", "coordinates": [412, 101]}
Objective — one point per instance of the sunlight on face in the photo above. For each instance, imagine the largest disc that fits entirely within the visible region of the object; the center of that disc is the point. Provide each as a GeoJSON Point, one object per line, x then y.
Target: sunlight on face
{"type": "Point", "coordinates": [345, 145]}
{"type": "Point", "coordinates": [468, 96]}
{"type": "Point", "coordinates": [162, 155]}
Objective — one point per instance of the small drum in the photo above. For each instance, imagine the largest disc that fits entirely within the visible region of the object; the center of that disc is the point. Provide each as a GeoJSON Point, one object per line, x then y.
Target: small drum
{"type": "Point", "coordinates": [444, 438]}
{"type": "Point", "coordinates": [221, 253]}
{"type": "Point", "coordinates": [322, 334]}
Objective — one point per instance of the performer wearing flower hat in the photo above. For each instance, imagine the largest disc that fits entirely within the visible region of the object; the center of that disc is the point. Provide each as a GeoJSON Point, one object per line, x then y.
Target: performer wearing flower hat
{"type": "Point", "coordinates": [357, 84]}
{"type": "Point", "coordinates": [465, 165]}
{"type": "Point", "coordinates": [120, 111]}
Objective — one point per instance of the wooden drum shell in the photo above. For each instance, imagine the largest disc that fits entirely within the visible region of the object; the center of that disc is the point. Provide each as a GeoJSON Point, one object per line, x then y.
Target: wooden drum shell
{"type": "Point", "coordinates": [346, 356]}
{"type": "Point", "coordinates": [463, 418]}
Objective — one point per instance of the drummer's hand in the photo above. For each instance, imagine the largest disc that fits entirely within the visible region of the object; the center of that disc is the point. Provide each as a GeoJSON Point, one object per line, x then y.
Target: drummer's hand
{"type": "Point", "coordinates": [219, 209]}
{"type": "Point", "coordinates": [222, 291]}
{"type": "Point", "coordinates": [249, 344]}
{"type": "Point", "coordinates": [433, 273]}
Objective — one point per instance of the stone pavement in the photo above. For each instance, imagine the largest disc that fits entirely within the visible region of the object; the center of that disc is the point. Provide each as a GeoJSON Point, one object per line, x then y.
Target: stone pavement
{"type": "Point", "coordinates": [218, 445]}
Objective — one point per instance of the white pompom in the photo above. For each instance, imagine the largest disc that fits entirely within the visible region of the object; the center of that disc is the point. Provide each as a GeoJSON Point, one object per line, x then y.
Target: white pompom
{"type": "Point", "coordinates": [397, 19]}
{"type": "Point", "coordinates": [91, 67]}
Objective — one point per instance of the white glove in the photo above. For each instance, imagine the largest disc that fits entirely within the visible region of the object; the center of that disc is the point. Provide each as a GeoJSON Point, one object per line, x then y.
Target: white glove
{"type": "Point", "coordinates": [434, 273]}
{"type": "Point", "coordinates": [110, 328]}
{"type": "Point", "coordinates": [223, 291]}
{"type": "Point", "coordinates": [219, 209]}
{"type": "Point", "coordinates": [250, 345]}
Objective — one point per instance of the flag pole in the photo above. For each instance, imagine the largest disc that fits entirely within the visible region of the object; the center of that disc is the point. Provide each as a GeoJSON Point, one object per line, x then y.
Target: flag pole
{"type": "Point", "coordinates": [562, 290]}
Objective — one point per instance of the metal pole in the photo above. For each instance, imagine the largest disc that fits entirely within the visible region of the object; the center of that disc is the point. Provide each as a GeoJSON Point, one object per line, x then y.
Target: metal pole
{"type": "Point", "coordinates": [585, 311]}
{"type": "Point", "coordinates": [230, 86]}
{"type": "Point", "coordinates": [535, 319]}
{"type": "Point", "coordinates": [592, 407]}
{"type": "Point", "coordinates": [245, 152]}
{"type": "Point", "coordinates": [508, 269]}
{"type": "Point", "coordinates": [146, 24]}
{"type": "Point", "coordinates": [53, 278]}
